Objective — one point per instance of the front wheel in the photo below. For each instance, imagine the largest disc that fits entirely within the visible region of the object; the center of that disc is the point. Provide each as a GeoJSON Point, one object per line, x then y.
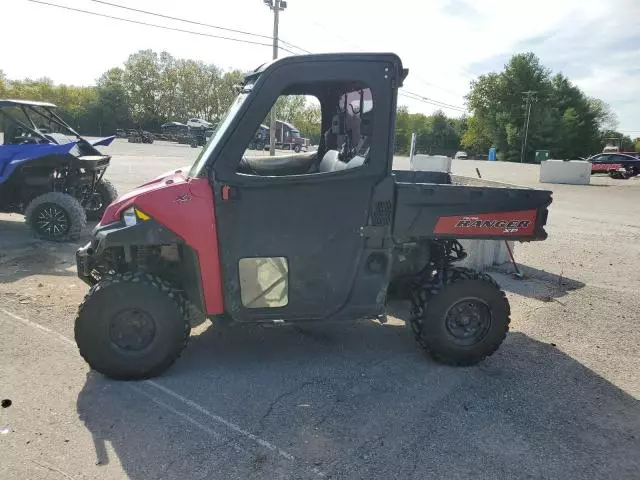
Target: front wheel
{"type": "Point", "coordinates": [56, 216]}
{"type": "Point", "coordinates": [96, 202]}
{"type": "Point", "coordinates": [132, 326]}
{"type": "Point", "coordinates": [296, 148]}
{"type": "Point", "coordinates": [465, 322]}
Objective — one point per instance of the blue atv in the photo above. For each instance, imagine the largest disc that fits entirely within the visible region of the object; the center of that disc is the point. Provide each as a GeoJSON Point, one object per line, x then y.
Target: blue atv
{"type": "Point", "coordinates": [49, 173]}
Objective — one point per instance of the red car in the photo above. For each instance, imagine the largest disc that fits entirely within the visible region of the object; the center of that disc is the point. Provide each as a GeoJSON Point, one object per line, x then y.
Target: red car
{"type": "Point", "coordinates": [616, 165]}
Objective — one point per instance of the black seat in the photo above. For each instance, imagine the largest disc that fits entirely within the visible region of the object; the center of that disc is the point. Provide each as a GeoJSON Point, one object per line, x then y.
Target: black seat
{"type": "Point", "coordinates": [281, 165]}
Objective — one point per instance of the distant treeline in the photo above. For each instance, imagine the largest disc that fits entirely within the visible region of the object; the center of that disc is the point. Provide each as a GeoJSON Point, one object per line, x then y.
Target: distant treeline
{"type": "Point", "coordinates": [152, 89]}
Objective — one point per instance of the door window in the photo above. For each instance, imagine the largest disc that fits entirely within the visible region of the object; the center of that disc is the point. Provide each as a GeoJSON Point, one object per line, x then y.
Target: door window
{"type": "Point", "coordinates": [264, 282]}
{"type": "Point", "coordinates": [319, 128]}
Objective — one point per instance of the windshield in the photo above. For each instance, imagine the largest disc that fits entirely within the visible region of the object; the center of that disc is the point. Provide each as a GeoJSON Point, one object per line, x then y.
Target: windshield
{"type": "Point", "coordinates": [200, 162]}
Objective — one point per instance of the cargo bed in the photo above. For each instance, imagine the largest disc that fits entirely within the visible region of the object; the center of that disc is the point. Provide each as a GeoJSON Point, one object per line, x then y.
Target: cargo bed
{"type": "Point", "coordinates": [427, 204]}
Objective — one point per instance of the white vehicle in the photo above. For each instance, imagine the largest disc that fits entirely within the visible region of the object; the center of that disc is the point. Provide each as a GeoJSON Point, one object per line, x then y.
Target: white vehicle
{"type": "Point", "coordinates": [198, 123]}
{"type": "Point", "coordinates": [461, 156]}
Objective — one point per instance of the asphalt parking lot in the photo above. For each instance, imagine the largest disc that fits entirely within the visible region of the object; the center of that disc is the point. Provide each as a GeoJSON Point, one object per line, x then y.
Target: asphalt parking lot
{"type": "Point", "coordinates": [559, 400]}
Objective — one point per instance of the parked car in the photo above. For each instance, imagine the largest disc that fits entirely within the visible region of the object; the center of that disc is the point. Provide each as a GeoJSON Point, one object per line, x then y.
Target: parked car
{"type": "Point", "coordinates": [461, 156]}
{"type": "Point", "coordinates": [198, 123]}
{"type": "Point", "coordinates": [616, 165]}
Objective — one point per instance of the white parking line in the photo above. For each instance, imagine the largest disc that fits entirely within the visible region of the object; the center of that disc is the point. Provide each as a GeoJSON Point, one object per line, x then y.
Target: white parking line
{"type": "Point", "coordinates": [42, 328]}
{"type": "Point", "coordinates": [219, 419]}
{"type": "Point", "coordinates": [177, 396]}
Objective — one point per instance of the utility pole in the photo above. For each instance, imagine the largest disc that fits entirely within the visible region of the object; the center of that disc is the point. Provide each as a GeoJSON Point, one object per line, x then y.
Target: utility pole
{"type": "Point", "coordinates": [276, 6]}
{"type": "Point", "coordinates": [530, 98]}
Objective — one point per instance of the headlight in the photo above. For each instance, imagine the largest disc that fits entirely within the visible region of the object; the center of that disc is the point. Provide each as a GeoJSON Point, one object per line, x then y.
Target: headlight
{"type": "Point", "coordinates": [129, 217]}
{"type": "Point", "coordinates": [132, 215]}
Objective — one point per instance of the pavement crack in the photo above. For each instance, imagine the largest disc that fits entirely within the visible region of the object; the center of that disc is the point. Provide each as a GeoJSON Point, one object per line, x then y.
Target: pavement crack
{"type": "Point", "coordinates": [284, 395]}
{"type": "Point", "coordinates": [51, 468]}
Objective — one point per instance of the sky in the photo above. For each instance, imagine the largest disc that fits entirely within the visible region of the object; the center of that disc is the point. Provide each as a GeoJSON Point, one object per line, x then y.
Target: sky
{"type": "Point", "coordinates": [445, 44]}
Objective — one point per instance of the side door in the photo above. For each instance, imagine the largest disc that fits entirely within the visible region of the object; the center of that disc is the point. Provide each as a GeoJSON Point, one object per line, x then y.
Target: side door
{"type": "Point", "coordinates": [299, 246]}
{"type": "Point", "coordinates": [599, 163]}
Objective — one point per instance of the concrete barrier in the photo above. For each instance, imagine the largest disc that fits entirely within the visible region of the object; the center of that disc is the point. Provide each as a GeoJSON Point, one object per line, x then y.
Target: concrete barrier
{"type": "Point", "coordinates": [431, 163]}
{"type": "Point", "coordinates": [482, 254]}
{"type": "Point", "coordinates": [574, 172]}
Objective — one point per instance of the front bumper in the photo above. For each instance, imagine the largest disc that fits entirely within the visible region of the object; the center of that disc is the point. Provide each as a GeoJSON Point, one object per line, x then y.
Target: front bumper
{"type": "Point", "coordinates": [84, 264]}
{"type": "Point", "coordinates": [116, 235]}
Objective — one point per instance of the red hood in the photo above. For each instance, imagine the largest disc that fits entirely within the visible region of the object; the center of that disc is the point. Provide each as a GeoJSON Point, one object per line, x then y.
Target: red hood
{"type": "Point", "coordinates": [113, 211]}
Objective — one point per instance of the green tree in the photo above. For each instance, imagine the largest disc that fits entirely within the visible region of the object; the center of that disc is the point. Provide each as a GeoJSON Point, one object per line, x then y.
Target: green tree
{"type": "Point", "coordinates": [142, 81]}
{"type": "Point", "coordinates": [563, 119]}
{"type": "Point", "coordinates": [3, 84]}
{"type": "Point", "coordinates": [110, 110]}
{"type": "Point", "coordinates": [496, 100]}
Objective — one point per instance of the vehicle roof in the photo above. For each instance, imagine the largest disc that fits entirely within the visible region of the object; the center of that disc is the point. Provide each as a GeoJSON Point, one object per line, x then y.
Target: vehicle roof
{"type": "Point", "coordinates": [287, 124]}
{"type": "Point", "coordinates": [328, 57]}
{"type": "Point", "coordinates": [623, 154]}
{"type": "Point", "coordinates": [30, 103]}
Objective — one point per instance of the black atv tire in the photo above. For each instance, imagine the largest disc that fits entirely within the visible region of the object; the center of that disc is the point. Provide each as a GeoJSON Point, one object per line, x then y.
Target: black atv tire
{"type": "Point", "coordinates": [132, 326]}
{"type": "Point", "coordinates": [443, 327]}
{"type": "Point", "coordinates": [67, 219]}
{"type": "Point", "coordinates": [618, 175]}
{"type": "Point", "coordinates": [108, 194]}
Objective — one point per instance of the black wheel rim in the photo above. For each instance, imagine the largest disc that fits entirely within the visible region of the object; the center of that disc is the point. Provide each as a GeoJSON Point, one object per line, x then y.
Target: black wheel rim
{"type": "Point", "coordinates": [132, 330]}
{"type": "Point", "coordinates": [468, 321]}
{"type": "Point", "coordinates": [91, 200]}
{"type": "Point", "coordinates": [51, 220]}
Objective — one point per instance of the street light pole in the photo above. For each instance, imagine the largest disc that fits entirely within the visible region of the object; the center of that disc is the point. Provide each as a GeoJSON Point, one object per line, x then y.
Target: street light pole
{"type": "Point", "coordinates": [276, 6]}
{"type": "Point", "coordinates": [529, 94]}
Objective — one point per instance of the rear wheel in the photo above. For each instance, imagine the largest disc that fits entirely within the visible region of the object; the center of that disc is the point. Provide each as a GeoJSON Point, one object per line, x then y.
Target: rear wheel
{"type": "Point", "coordinates": [96, 203]}
{"type": "Point", "coordinates": [132, 326]}
{"type": "Point", "coordinates": [617, 175]}
{"type": "Point", "coordinates": [465, 322]}
{"type": "Point", "coordinates": [56, 216]}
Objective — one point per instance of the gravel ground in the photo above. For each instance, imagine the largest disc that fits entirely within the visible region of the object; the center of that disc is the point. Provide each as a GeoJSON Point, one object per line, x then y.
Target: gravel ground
{"type": "Point", "coordinates": [558, 400]}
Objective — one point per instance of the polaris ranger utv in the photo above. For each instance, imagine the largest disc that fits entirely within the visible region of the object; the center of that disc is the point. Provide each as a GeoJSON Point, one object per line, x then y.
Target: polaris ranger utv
{"type": "Point", "coordinates": [310, 236]}
{"type": "Point", "coordinates": [49, 173]}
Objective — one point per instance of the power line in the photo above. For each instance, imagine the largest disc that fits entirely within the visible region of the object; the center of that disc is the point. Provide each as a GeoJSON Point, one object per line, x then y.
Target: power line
{"type": "Point", "coordinates": [169, 17]}
{"type": "Point", "coordinates": [360, 47]}
{"type": "Point", "coordinates": [427, 100]}
{"type": "Point", "coordinates": [294, 46]}
{"type": "Point", "coordinates": [429, 84]}
{"type": "Point", "coordinates": [431, 101]}
{"type": "Point", "coordinates": [156, 25]}
{"type": "Point", "coordinates": [411, 95]}
{"type": "Point", "coordinates": [193, 22]}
